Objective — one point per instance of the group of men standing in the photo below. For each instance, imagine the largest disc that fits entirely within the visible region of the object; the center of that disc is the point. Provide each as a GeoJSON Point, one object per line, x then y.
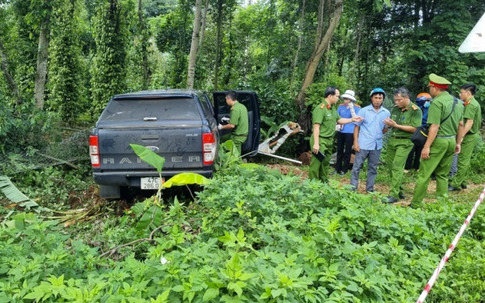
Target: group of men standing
{"type": "Point", "coordinates": [453, 129]}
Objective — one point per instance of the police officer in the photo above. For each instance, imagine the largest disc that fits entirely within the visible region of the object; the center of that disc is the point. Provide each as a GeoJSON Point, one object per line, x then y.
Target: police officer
{"type": "Point", "coordinates": [423, 100]}
{"type": "Point", "coordinates": [325, 117]}
{"type": "Point", "coordinates": [238, 122]}
{"type": "Point", "coordinates": [442, 142]}
{"type": "Point", "coordinates": [472, 119]}
{"type": "Point", "coordinates": [405, 117]}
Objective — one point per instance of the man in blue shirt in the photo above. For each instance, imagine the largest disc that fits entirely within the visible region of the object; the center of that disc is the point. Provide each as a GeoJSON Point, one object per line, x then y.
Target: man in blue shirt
{"type": "Point", "coordinates": [368, 139]}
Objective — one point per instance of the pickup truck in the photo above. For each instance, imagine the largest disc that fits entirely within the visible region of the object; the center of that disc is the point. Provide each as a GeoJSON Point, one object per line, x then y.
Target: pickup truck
{"type": "Point", "coordinates": [179, 125]}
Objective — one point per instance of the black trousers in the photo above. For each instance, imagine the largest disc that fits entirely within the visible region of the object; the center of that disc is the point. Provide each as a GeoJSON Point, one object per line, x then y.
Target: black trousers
{"type": "Point", "coordinates": [344, 150]}
{"type": "Point", "coordinates": [413, 158]}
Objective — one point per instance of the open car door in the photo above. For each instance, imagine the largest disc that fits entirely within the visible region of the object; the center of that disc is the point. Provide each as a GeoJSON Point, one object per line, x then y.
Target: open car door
{"type": "Point", "coordinates": [250, 100]}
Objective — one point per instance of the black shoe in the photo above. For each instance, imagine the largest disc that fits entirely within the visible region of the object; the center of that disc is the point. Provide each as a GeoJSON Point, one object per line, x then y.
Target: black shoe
{"type": "Point", "coordinates": [401, 196]}
{"type": "Point", "coordinates": [390, 200]}
{"type": "Point", "coordinates": [464, 186]}
{"type": "Point", "coordinates": [370, 191]}
{"type": "Point", "coordinates": [452, 188]}
{"type": "Point", "coordinates": [341, 173]}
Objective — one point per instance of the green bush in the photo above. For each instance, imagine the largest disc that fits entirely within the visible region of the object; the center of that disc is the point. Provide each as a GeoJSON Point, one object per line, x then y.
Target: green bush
{"type": "Point", "coordinates": [478, 158]}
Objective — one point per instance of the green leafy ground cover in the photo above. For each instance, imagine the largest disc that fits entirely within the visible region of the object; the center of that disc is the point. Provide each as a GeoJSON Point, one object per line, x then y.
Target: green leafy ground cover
{"type": "Point", "coordinates": [252, 235]}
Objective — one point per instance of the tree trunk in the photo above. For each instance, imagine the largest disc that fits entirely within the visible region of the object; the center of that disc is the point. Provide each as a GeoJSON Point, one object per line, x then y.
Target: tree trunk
{"type": "Point", "coordinates": [194, 45]}
{"type": "Point", "coordinates": [229, 57]}
{"type": "Point", "coordinates": [355, 74]}
{"type": "Point", "coordinates": [320, 47]}
{"type": "Point", "coordinates": [203, 22]}
{"type": "Point", "coordinates": [10, 80]}
{"type": "Point", "coordinates": [416, 14]}
{"type": "Point", "coordinates": [300, 41]}
{"type": "Point", "coordinates": [143, 45]}
{"type": "Point", "coordinates": [42, 56]}
{"type": "Point", "coordinates": [218, 42]}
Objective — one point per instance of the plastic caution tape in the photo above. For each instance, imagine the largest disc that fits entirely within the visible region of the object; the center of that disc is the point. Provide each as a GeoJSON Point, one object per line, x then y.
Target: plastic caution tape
{"type": "Point", "coordinates": [445, 258]}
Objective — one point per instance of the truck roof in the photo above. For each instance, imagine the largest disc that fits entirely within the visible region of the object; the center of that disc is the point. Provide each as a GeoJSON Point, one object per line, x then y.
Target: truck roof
{"type": "Point", "coordinates": [170, 93]}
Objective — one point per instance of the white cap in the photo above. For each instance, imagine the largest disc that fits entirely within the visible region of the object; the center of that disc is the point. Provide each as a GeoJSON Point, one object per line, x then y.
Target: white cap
{"type": "Point", "coordinates": [349, 94]}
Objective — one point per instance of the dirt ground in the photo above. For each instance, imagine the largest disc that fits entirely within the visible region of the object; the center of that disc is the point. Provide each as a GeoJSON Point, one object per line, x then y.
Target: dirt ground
{"type": "Point", "coordinates": [379, 187]}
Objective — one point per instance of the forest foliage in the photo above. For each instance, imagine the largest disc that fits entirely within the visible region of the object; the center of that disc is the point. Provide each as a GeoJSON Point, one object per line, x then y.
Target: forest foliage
{"type": "Point", "coordinates": [98, 48]}
{"type": "Point", "coordinates": [263, 236]}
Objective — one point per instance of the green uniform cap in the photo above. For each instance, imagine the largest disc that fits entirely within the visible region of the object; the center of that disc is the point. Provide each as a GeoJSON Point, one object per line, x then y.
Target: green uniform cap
{"type": "Point", "coordinates": [438, 80]}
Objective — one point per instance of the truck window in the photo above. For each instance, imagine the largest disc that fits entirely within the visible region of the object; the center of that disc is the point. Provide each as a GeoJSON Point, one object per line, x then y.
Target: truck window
{"type": "Point", "coordinates": [206, 106]}
{"type": "Point", "coordinates": [162, 109]}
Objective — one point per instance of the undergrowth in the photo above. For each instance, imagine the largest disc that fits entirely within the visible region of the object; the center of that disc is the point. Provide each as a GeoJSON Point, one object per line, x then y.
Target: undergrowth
{"type": "Point", "coordinates": [252, 235]}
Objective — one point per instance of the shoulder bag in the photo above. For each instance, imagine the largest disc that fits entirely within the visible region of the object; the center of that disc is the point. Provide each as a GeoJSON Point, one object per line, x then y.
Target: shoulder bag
{"type": "Point", "coordinates": [420, 136]}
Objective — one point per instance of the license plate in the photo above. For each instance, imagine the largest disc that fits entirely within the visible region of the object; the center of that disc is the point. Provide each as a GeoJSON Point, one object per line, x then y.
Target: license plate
{"type": "Point", "coordinates": [151, 183]}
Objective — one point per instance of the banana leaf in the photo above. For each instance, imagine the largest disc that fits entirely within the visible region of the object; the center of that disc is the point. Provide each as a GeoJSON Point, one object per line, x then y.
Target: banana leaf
{"type": "Point", "coordinates": [185, 179]}
{"type": "Point", "coordinates": [13, 194]}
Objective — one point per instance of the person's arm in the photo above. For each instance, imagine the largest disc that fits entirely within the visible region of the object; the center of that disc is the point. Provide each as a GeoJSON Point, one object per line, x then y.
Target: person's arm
{"type": "Point", "coordinates": [387, 122]}
{"type": "Point", "coordinates": [356, 136]}
{"type": "Point", "coordinates": [234, 118]}
{"type": "Point", "coordinates": [349, 120]}
{"type": "Point", "coordinates": [406, 128]}
{"type": "Point", "coordinates": [227, 126]}
{"type": "Point", "coordinates": [316, 138]}
{"type": "Point", "coordinates": [462, 131]}
{"type": "Point", "coordinates": [432, 133]}
{"type": "Point", "coordinates": [466, 129]}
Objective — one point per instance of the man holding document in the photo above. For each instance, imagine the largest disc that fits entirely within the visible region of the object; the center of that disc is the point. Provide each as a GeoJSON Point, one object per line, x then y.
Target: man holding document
{"type": "Point", "coordinates": [325, 118]}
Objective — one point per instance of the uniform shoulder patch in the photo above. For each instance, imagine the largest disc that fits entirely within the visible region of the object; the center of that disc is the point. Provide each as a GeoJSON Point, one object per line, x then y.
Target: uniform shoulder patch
{"type": "Point", "coordinates": [414, 107]}
{"type": "Point", "coordinates": [322, 105]}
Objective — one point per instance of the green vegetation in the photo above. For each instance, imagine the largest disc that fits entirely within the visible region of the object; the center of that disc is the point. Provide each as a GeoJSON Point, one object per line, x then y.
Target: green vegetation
{"type": "Point", "coordinates": [252, 235]}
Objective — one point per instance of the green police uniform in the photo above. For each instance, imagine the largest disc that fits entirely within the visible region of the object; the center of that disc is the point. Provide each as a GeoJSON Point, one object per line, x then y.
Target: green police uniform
{"type": "Point", "coordinates": [239, 134]}
{"type": "Point", "coordinates": [473, 112]}
{"type": "Point", "coordinates": [326, 116]}
{"type": "Point", "coordinates": [443, 147]}
{"type": "Point", "coordinates": [399, 144]}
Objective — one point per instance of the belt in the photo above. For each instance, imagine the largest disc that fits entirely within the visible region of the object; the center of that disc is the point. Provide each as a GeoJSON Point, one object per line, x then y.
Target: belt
{"type": "Point", "coordinates": [400, 137]}
{"type": "Point", "coordinates": [446, 137]}
{"type": "Point", "coordinates": [469, 134]}
{"type": "Point", "coordinates": [326, 137]}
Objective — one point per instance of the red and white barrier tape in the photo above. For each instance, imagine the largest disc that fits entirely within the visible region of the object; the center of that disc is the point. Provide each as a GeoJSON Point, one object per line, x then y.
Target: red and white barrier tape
{"type": "Point", "coordinates": [434, 277]}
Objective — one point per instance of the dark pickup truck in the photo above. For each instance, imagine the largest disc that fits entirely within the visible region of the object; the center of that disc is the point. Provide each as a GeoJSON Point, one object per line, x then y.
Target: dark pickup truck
{"type": "Point", "coordinates": [179, 125]}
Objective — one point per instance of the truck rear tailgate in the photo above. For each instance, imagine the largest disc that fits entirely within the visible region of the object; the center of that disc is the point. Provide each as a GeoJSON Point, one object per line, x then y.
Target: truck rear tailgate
{"type": "Point", "coordinates": [180, 144]}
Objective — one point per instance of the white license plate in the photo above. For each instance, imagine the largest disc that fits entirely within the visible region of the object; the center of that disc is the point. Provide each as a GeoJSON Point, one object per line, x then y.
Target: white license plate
{"type": "Point", "coordinates": [150, 183]}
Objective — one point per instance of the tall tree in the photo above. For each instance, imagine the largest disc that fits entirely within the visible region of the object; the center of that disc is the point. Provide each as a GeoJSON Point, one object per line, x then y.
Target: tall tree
{"type": "Point", "coordinates": [111, 36]}
{"type": "Point", "coordinates": [322, 40]}
{"type": "Point", "coordinates": [45, 8]}
{"type": "Point", "coordinates": [143, 48]}
{"type": "Point", "coordinates": [203, 22]}
{"type": "Point", "coordinates": [194, 45]}
{"type": "Point", "coordinates": [300, 42]}
{"type": "Point", "coordinates": [173, 32]}
{"type": "Point", "coordinates": [65, 68]}
{"type": "Point", "coordinates": [220, 13]}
